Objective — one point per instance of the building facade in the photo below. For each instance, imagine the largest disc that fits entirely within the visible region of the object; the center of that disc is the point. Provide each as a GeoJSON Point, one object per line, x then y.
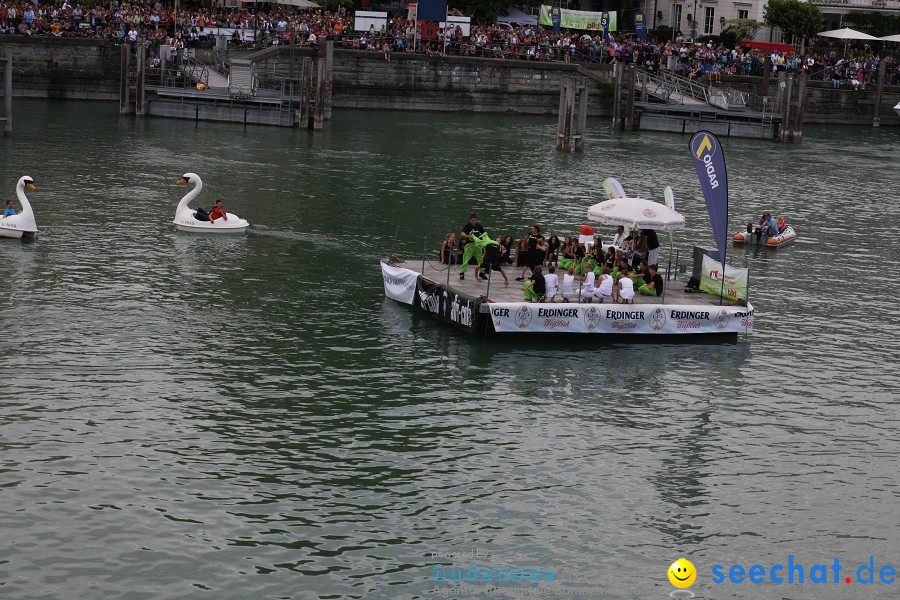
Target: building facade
{"type": "Point", "coordinates": [696, 18]}
{"type": "Point", "coordinates": [834, 10]}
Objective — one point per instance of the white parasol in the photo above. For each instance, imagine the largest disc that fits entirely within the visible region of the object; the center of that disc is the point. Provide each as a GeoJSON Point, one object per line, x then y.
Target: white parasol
{"type": "Point", "coordinates": [636, 212]}
{"type": "Point", "coordinates": [892, 38]}
{"type": "Point", "coordinates": [847, 34]}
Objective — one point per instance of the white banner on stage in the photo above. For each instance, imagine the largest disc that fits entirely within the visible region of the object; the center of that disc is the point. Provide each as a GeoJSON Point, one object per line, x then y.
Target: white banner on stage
{"type": "Point", "coordinates": [736, 280]}
{"type": "Point", "coordinates": [524, 317]}
{"type": "Point", "coordinates": [399, 283]}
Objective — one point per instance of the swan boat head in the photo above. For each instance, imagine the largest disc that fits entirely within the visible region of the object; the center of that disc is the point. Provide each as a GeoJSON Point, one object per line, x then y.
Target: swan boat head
{"type": "Point", "coordinates": [23, 222]}
{"type": "Point", "coordinates": [191, 178]}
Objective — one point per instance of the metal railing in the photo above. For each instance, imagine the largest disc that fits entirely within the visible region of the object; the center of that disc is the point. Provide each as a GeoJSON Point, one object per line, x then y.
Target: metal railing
{"type": "Point", "coordinates": [668, 85]}
{"type": "Point", "coordinates": [195, 70]}
{"type": "Point", "coordinates": [674, 88]}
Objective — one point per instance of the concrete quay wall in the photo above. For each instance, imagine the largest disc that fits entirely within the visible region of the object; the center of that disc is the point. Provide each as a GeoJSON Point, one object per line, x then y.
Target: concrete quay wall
{"type": "Point", "coordinates": [66, 68]}
{"type": "Point", "coordinates": [825, 105]}
{"type": "Point", "coordinates": [459, 84]}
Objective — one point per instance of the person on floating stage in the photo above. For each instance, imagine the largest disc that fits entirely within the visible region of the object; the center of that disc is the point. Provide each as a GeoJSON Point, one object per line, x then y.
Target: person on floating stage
{"type": "Point", "coordinates": [655, 286]}
{"type": "Point", "coordinates": [588, 264]}
{"type": "Point", "coordinates": [470, 229]}
{"type": "Point", "coordinates": [535, 288]}
{"type": "Point", "coordinates": [568, 254]}
{"type": "Point", "coordinates": [475, 248]}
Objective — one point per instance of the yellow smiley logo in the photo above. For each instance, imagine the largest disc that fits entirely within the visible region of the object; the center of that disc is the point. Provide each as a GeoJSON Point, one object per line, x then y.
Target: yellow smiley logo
{"type": "Point", "coordinates": [682, 573]}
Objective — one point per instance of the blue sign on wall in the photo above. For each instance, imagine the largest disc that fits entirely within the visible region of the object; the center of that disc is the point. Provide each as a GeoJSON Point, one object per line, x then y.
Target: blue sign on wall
{"type": "Point", "coordinates": [432, 10]}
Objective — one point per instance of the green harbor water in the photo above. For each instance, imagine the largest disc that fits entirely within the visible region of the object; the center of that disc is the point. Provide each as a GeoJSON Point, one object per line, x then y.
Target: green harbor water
{"type": "Point", "coordinates": [189, 416]}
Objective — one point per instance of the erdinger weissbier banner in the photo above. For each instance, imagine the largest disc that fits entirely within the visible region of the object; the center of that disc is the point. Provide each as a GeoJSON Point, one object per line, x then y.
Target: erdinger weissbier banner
{"type": "Point", "coordinates": [709, 161]}
{"type": "Point", "coordinates": [523, 317]}
{"type": "Point", "coordinates": [735, 280]}
{"type": "Point", "coordinates": [399, 283]}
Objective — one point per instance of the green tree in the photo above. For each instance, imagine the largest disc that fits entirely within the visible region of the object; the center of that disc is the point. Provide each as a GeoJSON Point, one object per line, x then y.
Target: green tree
{"type": "Point", "coordinates": [873, 23]}
{"type": "Point", "coordinates": [742, 29]}
{"type": "Point", "coordinates": [794, 17]}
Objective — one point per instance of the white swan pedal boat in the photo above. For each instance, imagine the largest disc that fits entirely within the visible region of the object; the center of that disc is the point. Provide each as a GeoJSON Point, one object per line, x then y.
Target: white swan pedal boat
{"type": "Point", "coordinates": [22, 224]}
{"type": "Point", "coordinates": [753, 237]}
{"type": "Point", "coordinates": [186, 217]}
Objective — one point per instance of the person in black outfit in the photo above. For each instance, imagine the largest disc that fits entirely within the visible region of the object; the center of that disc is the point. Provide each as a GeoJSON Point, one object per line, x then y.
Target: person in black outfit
{"type": "Point", "coordinates": [506, 244]}
{"type": "Point", "coordinates": [472, 227]}
{"type": "Point", "coordinates": [536, 288]}
{"type": "Point", "coordinates": [531, 255]}
{"type": "Point", "coordinates": [652, 247]}
{"type": "Point", "coordinates": [553, 249]}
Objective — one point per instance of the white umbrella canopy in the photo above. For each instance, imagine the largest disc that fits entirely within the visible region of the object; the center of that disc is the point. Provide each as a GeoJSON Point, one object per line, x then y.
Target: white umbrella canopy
{"type": "Point", "coordinates": [891, 38]}
{"type": "Point", "coordinates": [299, 3]}
{"type": "Point", "coordinates": [847, 34]}
{"type": "Point", "coordinates": [636, 212]}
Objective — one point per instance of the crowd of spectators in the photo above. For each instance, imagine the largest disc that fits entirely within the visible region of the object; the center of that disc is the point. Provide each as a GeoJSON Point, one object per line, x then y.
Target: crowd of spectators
{"type": "Point", "coordinates": [162, 23]}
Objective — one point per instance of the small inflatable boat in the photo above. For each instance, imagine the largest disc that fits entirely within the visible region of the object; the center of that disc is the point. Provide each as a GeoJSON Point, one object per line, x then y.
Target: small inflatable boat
{"type": "Point", "coordinates": [756, 236]}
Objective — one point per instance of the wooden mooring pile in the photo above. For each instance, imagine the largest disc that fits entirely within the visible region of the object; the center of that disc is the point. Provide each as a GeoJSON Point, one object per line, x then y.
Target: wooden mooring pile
{"type": "Point", "coordinates": [573, 108]}
{"type": "Point", "coordinates": [7, 61]}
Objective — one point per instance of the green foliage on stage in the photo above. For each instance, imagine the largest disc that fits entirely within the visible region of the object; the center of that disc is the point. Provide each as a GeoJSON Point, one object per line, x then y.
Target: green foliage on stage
{"type": "Point", "coordinates": [794, 17]}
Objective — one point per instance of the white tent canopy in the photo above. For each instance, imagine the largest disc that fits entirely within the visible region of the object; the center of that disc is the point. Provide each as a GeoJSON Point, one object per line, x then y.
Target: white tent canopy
{"type": "Point", "coordinates": [847, 34]}
{"type": "Point", "coordinates": [636, 212]}
{"type": "Point", "coordinates": [514, 15]}
{"type": "Point", "coordinates": [892, 38]}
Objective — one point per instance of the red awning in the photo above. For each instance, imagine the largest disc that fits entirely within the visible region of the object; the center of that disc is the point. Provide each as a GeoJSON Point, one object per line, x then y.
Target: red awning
{"type": "Point", "coordinates": [767, 46]}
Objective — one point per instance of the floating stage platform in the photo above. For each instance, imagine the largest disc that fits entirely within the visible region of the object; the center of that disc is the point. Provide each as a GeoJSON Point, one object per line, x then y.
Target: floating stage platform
{"type": "Point", "coordinates": [686, 119]}
{"type": "Point", "coordinates": [469, 305]}
{"type": "Point", "coordinates": [217, 104]}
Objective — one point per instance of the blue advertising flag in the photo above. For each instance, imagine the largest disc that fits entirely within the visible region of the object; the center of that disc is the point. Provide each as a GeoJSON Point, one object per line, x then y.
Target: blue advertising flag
{"type": "Point", "coordinates": [640, 25]}
{"type": "Point", "coordinates": [604, 22]}
{"type": "Point", "coordinates": [555, 17]}
{"type": "Point", "coordinates": [710, 163]}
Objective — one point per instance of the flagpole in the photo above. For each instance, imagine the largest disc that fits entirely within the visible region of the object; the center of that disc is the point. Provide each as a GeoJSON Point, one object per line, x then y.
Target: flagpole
{"type": "Point", "coordinates": [722, 293]}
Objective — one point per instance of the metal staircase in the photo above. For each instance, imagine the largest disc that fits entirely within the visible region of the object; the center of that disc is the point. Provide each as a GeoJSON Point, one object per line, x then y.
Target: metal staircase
{"type": "Point", "coordinates": [675, 89]}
